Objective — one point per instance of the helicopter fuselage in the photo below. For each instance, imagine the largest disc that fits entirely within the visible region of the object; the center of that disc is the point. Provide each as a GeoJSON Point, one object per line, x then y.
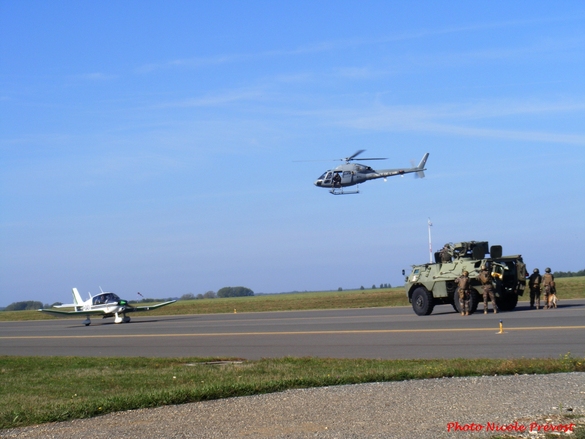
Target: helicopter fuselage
{"type": "Point", "coordinates": [350, 174]}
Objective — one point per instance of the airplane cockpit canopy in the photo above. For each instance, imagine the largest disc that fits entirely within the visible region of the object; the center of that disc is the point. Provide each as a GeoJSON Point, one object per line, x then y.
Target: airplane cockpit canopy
{"type": "Point", "coordinates": [104, 298]}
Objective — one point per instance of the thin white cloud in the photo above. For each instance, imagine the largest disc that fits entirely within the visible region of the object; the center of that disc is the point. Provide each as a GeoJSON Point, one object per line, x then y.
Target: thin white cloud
{"type": "Point", "coordinates": [451, 120]}
{"type": "Point", "coordinates": [192, 62]}
{"type": "Point", "coordinates": [342, 44]}
{"type": "Point", "coordinates": [96, 76]}
{"type": "Point", "coordinates": [216, 100]}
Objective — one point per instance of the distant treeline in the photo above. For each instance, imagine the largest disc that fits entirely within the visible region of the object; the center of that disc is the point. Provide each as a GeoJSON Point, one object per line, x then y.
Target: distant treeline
{"type": "Point", "coordinates": [569, 273]}
{"type": "Point", "coordinates": [23, 306]}
{"type": "Point", "coordinates": [223, 292]}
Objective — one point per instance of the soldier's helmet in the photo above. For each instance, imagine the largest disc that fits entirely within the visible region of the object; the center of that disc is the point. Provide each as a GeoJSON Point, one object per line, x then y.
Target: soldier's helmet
{"type": "Point", "coordinates": [536, 271]}
{"type": "Point", "coordinates": [547, 270]}
{"type": "Point", "coordinates": [466, 273]}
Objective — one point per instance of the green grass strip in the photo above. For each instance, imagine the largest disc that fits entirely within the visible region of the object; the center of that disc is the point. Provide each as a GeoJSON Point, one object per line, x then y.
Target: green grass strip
{"type": "Point", "coordinates": [37, 390]}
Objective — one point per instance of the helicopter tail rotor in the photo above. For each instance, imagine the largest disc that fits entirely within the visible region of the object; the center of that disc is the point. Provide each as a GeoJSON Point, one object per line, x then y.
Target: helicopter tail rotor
{"type": "Point", "coordinates": [418, 174]}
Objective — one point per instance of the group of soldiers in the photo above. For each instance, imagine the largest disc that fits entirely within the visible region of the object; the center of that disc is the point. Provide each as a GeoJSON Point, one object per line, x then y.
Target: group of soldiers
{"type": "Point", "coordinates": [464, 284]}
{"type": "Point", "coordinates": [535, 283]}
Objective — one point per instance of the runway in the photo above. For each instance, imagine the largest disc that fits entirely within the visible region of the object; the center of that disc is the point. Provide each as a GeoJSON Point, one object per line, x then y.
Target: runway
{"type": "Point", "coordinates": [385, 333]}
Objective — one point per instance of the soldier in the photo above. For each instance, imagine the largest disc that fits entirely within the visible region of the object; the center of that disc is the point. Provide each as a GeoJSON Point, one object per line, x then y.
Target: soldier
{"type": "Point", "coordinates": [548, 282]}
{"type": "Point", "coordinates": [534, 282]}
{"type": "Point", "coordinates": [463, 283]}
{"type": "Point", "coordinates": [445, 254]}
{"type": "Point", "coordinates": [487, 280]}
{"type": "Point", "coordinates": [336, 180]}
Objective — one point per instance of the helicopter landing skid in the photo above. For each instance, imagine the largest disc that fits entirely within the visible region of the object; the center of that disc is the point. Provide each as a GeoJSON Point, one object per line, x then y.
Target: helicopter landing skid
{"type": "Point", "coordinates": [339, 191]}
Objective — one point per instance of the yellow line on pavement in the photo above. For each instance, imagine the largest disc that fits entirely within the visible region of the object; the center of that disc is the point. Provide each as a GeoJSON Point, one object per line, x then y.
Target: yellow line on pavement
{"type": "Point", "coordinates": [231, 334]}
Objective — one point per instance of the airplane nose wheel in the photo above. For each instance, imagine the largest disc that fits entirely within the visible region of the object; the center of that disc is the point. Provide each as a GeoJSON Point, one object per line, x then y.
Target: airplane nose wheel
{"type": "Point", "coordinates": [126, 319]}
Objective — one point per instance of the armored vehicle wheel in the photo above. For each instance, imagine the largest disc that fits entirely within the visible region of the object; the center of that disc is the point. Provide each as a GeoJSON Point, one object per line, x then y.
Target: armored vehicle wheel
{"type": "Point", "coordinates": [422, 302]}
{"type": "Point", "coordinates": [473, 301]}
{"type": "Point", "coordinates": [507, 303]}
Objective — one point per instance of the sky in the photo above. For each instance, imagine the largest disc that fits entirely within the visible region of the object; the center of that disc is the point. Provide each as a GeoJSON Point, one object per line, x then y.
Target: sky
{"type": "Point", "coordinates": [170, 148]}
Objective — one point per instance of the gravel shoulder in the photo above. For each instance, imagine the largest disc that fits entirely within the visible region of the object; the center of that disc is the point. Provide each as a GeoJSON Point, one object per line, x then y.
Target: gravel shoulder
{"type": "Point", "coordinates": [407, 409]}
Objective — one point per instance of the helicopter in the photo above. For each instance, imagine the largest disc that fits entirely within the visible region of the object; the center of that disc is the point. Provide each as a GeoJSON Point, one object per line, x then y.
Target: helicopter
{"type": "Point", "coordinates": [350, 174]}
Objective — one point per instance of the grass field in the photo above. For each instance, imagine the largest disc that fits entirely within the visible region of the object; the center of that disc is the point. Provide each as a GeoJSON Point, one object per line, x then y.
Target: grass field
{"type": "Point", "coordinates": [45, 389]}
{"type": "Point", "coordinates": [567, 288]}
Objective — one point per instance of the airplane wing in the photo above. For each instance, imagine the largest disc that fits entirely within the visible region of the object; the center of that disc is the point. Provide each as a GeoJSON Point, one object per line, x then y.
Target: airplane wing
{"type": "Point", "coordinates": [148, 308]}
{"type": "Point", "coordinates": [56, 311]}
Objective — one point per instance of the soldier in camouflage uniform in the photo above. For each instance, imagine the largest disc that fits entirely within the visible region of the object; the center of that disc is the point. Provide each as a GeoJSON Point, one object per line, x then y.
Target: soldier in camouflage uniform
{"type": "Point", "coordinates": [534, 282]}
{"type": "Point", "coordinates": [464, 283]}
{"type": "Point", "coordinates": [445, 254]}
{"type": "Point", "coordinates": [487, 280]}
{"type": "Point", "coordinates": [548, 282]}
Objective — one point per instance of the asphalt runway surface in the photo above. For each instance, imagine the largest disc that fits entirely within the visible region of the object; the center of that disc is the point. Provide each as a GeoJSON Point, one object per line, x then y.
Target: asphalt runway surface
{"type": "Point", "coordinates": [385, 333]}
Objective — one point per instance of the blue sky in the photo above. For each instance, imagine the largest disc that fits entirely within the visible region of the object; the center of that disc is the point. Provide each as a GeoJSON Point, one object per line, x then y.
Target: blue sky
{"type": "Point", "coordinates": [154, 146]}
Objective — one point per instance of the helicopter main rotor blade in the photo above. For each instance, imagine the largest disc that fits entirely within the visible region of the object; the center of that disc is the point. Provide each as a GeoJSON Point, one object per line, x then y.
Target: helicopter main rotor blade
{"type": "Point", "coordinates": [351, 157]}
{"type": "Point", "coordinates": [323, 160]}
{"type": "Point", "coordinates": [374, 158]}
{"type": "Point", "coordinates": [347, 159]}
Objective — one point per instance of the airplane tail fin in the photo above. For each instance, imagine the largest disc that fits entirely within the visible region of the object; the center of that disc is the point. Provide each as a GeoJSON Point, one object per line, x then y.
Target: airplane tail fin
{"type": "Point", "coordinates": [77, 297]}
{"type": "Point", "coordinates": [421, 166]}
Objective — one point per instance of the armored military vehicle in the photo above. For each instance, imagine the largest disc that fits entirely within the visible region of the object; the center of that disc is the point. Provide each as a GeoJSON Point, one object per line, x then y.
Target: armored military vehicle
{"type": "Point", "coordinates": [435, 283]}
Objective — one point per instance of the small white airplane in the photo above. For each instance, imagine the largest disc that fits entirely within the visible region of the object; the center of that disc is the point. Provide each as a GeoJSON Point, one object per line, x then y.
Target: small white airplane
{"type": "Point", "coordinates": [106, 304]}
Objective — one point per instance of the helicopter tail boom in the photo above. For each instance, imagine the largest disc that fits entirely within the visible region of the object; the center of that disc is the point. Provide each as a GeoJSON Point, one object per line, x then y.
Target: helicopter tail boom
{"type": "Point", "coordinates": [419, 170]}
